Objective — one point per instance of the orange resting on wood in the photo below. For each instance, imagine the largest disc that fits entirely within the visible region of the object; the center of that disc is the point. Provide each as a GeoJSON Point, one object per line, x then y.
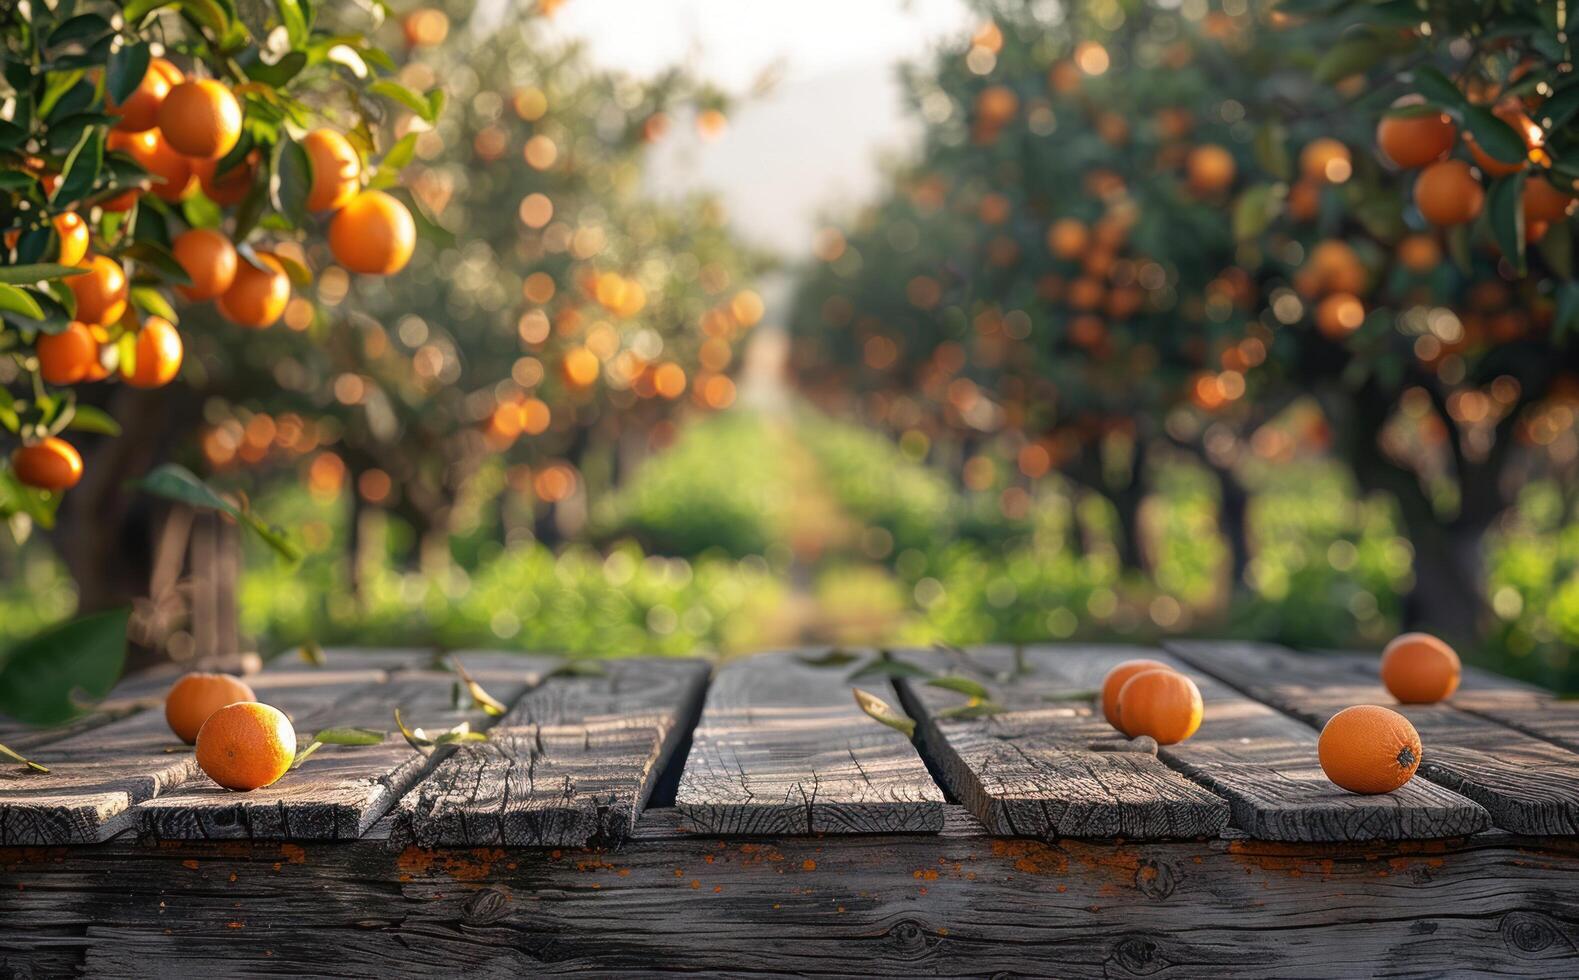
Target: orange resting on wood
{"type": "Point", "coordinates": [1418, 668]}
{"type": "Point", "coordinates": [246, 745]}
{"type": "Point", "coordinates": [1369, 749]}
{"type": "Point", "coordinates": [1161, 703]}
{"type": "Point", "coordinates": [1114, 682]}
{"type": "Point", "coordinates": [193, 697]}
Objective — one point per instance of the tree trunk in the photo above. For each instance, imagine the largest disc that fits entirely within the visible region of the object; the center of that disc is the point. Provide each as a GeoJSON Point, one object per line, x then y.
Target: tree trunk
{"type": "Point", "coordinates": [1127, 498]}
{"type": "Point", "coordinates": [1233, 521]}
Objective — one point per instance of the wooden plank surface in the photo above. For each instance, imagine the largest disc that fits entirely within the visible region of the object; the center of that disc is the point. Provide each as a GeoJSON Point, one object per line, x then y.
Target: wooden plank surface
{"type": "Point", "coordinates": [573, 761]}
{"type": "Point", "coordinates": [1046, 766]}
{"type": "Point", "coordinates": [340, 791]}
{"type": "Point", "coordinates": [1528, 785]}
{"type": "Point", "coordinates": [782, 748]}
{"type": "Point", "coordinates": [906, 905]}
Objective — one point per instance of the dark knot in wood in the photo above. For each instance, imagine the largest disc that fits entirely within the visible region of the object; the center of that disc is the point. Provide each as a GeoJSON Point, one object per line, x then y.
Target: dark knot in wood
{"type": "Point", "coordinates": [488, 905]}
{"type": "Point", "coordinates": [1155, 879]}
{"type": "Point", "coordinates": [1136, 955]}
{"type": "Point", "coordinates": [1531, 932]}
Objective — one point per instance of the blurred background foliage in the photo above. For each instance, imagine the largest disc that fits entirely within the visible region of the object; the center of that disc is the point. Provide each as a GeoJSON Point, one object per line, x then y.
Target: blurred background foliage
{"type": "Point", "coordinates": [1089, 368]}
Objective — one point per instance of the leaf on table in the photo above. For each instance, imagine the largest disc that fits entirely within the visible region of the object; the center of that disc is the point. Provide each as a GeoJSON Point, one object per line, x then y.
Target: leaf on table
{"type": "Point", "coordinates": [480, 698]}
{"type": "Point", "coordinates": [960, 685]}
{"type": "Point", "coordinates": [833, 658]}
{"type": "Point", "coordinates": [421, 744]}
{"type": "Point", "coordinates": [350, 736]}
{"type": "Point", "coordinates": [1073, 694]}
{"type": "Point", "coordinates": [975, 708]}
{"type": "Point", "coordinates": [883, 712]}
{"type": "Point", "coordinates": [312, 654]}
{"type": "Point", "coordinates": [886, 666]}
{"type": "Point", "coordinates": [12, 754]}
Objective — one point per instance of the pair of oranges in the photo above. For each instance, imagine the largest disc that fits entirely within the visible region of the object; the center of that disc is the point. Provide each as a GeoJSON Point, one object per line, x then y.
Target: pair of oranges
{"type": "Point", "coordinates": [1364, 748]}
{"type": "Point", "coordinates": [241, 743]}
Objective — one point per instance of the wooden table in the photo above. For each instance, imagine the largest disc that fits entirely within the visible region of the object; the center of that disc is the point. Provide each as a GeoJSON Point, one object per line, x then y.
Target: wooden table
{"type": "Point", "coordinates": [659, 815]}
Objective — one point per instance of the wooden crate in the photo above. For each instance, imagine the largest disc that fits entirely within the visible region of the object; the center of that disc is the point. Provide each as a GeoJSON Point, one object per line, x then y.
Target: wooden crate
{"type": "Point", "coordinates": [660, 815]}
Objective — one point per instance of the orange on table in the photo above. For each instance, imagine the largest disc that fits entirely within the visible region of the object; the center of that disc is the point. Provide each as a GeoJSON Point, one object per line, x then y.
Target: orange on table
{"type": "Point", "coordinates": [195, 696]}
{"type": "Point", "coordinates": [1115, 680]}
{"type": "Point", "coordinates": [257, 296]}
{"type": "Point", "coordinates": [1369, 749]}
{"type": "Point", "coordinates": [210, 262]}
{"type": "Point", "coordinates": [158, 358]}
{"type": "Point", "coordinates": [336, 168]}
{"type": "Point", "coordinates": [67, 357]}
{"type": "Point", "coordinates": [246, 745]}
{"type": "Point", "coordinates": [200, 118]}
{"type": "Point", "coordinates": [51, 464]}
{"type": "Point", "coordinates": [141, 111]}
{"type": "Point", "coordinates": [100, 292]}
{"type": "Point", "coordinates": [1418, 668]}
{"type": "Point", "coordinates": [1447, 193]}
{"type": "Point", "coordinates": [1164, 704]}
{"type": "Point", "coordinates": [1412, 141]}
{"type": "Point", "coordinates": [373, 234]}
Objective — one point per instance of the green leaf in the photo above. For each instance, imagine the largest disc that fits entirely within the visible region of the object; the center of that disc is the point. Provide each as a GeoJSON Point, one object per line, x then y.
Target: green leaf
{"type": "Point", "coordinates": [1506, 211]}
{"type": "Point", "coordinates": [16, 497]}
{"type": "Point", "coordinates": [1349, 57]}
{"type": "Point", "coordinates": [290, 181]}
{"type": "Point", "coordinates": [1254, 211]}
{"type": "Point", "coordinates": [24, 275]}
{"type": "Point", "coordinates": [136, 10]}
{"type": "Point", "coordinates": [150, 300]}
{"type": "Point", "coordinates": [43, 680]}
{"type": "Point", "coordinates": [1567, 314]}
{"type": "Point", "coordinates": [1494, 137]}
{"type": "Point", "coordinates": [960, 685]}
{"type": "Point", "coordinates": [350, 736]}
{"type": "Point", "coordinates": [422, 745]}
{"type": "Point", "coordinates": [1271, 150]}
{"type": "Point", "coordinates": [312, 654]}
{"type": "Point", "coordinates": [297, 20]}
{"type": "Point", "coordinates": [481, 699]}
{"type": "Point", "coordinates": [424, 107]}
{"type": "Point", "coordinates": [179, 484]}
{"type": "Point", "coordinates": [128, 65]}
{"type": "Point", "coordinates": [20, 302]}
{"type": "Point", "coordinates": [91, 419]}
{"type": "Point", "coordinates": [1438, 89]}
{"type": "Point", "coordinates": [81, 29]}
{"type": "Point", "coordinates": [281, 72]}
{"type": "Point", "coordinates": [883, 667]}
{"type": "Point", "coordinates": [881, 711]}
{"type": "Point", "coordinates": [975, 709]}
{"type": "Point", "coordinates": [81, 169]}
{"type": "Point", "coordinates": [207, 13]}
{"type": "Point", "coordinates": [159, 259]}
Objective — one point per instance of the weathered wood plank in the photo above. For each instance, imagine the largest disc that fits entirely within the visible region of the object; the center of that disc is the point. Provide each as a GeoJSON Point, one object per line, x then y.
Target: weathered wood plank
{"type": "Point", "coordinates": [573, 761]}
{"type": "Point", "coordinates": [953, 904]}
{"type": "Point", "coordinates": [1045, 766]}
{"type": "Point", "coordinates": [97, 776]}
{"type": "Point", "coordinates": [782, 748]}
{"type": "Point", "coordinates": [341, 791]}
{"type": "Point", "coordinates": [1527, 784]}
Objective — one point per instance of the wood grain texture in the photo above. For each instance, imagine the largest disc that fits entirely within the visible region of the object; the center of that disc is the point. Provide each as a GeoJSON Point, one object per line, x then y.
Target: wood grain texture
{"type": "Point", "coordinates": [782, 748]}
{"type": "Point", "coordinates": [956, 903]}
{"type": "Point", "coordinates": [572, 762]}
{"type": "Point", "coordinates": [1528, 785]}
{"type": "Point", "coordinates": [98, 776]}
{"type": "Point", "coordinates": [340, 791]}
{"type": "Point", "coordinates": [1050, 768]}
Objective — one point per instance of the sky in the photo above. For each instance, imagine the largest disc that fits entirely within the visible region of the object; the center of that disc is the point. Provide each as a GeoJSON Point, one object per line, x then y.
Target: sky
{"type": "Point", "coordinates": [810, 145]}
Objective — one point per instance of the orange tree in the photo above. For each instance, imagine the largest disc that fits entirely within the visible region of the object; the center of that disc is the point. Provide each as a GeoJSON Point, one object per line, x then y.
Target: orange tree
{"type": "Point", "coordinates": [160, 155]}
{"type": "Point", "coordinates": [563, 328]}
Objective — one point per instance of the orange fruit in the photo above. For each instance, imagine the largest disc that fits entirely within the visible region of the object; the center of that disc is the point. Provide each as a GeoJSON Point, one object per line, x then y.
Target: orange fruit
{"type": "Point", "coordinates": [100, 292]}
{"type": "Point", "coordinates": [336, 168]}
{"type": "Point", "coordinates": [53, 464]}
{"type": "Point", "coordinates": [1339, 315]}
{"type": "Point", "coordinates": [141, 111]}
{"type": "Point", "coordinates": [1410, 142]}
{"type": "Point", "coordinates": [1115, 680]}
{"type": "Point", "coordinates": [230, 187]}
{"type": "Point", "coordinates": [73, 234]}
{"type": "Point", "coordinates": [209, 260]}
{"type": "Point", "coordinates": [171, 172]}
{"type": "Point", "coordinates": [373, 234]}
{"type": "Point", "coordinates": [1161, 703]}
{"type": "Point", "coordinates": [195, 696]}
{"type": "Point", "coordinates": [1304, 201]}
{"type": "Point", "coordinates": [158, 355]}
{"type": "Point", "coordinates": [1528, 130]}
{"type": "Point", "coordinates": [200, 118]}
{"type": "Point", "coordinates": [1420, 253]}
{"type": "Point", "coordinates": [425, 27]}
{"type": "Point", "coordinates": [1210, 169]}
{"type": "Point", "coordinates": [257, 296]}
{"type": "Point", "coordinates": [580, 367]}
{"type": "Point", "coordinates": [1447, 193]}
{"type": "Point", "coordinates": [1325, 160]}
{"type": "Point", "coordinates": [67, 357]}
{"type": "Point", "coordinates": [1369, 749]}
{"type": "Point", "coordinates": [1543, 201]}
{"type": "Point", "coordinates": [1418, 668]}
{"type": "Point", "coordinates": [1333, 267]}
{"type": "Point", "coordinates": [1067, 238]}
{"type": "Point", "coordinates": [246, 745]}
